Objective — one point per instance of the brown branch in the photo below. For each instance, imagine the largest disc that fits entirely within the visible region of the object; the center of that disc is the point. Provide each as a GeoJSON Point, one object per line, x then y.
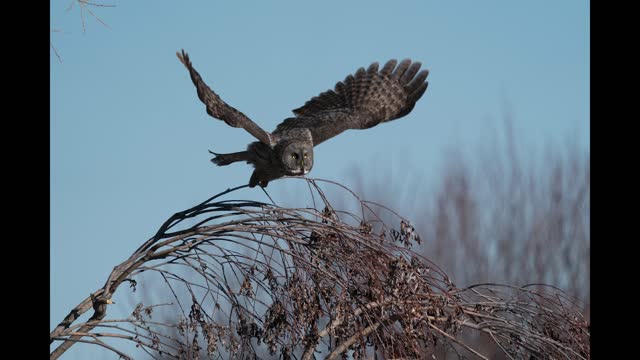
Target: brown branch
{"type": "Point", "coordinates": [250, 270]}
{"type": "Point", "coordinates": [101, 343]}
{"type": "Point", "coordinates": [94, 4]}
{"type": "Point", "coordinates": [55, 51]}
{"type": "Point", "coordinates": [74, 314]}
{"type": "Point", "coordinates": [452, 338]}
{"type": "Point", "coordinates": [357, 336]}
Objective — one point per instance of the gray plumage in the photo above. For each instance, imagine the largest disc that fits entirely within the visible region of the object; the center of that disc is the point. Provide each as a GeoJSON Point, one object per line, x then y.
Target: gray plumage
{"type": "Point", "coordinates": [360, 101]}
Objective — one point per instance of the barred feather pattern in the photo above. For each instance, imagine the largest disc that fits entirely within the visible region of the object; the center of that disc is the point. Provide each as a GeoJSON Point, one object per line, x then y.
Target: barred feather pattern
{"type": "Point", "coordinates": [361, 101]}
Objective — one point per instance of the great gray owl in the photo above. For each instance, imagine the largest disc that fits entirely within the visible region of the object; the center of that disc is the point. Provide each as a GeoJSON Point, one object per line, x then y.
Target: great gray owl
{"type": "Point", "coordinates": [361, 101]}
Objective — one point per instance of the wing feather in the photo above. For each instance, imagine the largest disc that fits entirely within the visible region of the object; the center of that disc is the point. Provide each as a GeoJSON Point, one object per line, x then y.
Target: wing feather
{"type": "Point", "coordinates": [362, 100]}
{"type": "Point", "coordinates": [219, 109]}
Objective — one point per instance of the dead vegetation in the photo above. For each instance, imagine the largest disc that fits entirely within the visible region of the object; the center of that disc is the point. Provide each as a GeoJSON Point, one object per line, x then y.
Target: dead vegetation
{"type": "Point", "coordinates": [247, 279]}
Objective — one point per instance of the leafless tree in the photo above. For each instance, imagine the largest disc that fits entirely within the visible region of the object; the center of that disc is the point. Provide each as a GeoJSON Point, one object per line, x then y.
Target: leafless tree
{"type": "Point", "coordinates": [249, 279]}
{"type": "Point", "coordinates": [84, 7]}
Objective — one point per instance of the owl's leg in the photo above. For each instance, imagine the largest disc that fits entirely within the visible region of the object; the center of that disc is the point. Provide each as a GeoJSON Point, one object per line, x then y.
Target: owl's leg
{"type": "Point", "coordinates": [226, 159]}
{"type": "Point", "coordinates": [258, 178]}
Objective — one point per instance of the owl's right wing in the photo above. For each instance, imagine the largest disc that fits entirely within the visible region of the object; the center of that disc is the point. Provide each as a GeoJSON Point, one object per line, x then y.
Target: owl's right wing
{"type": "Point", "coordinates": [361, 101]}
{"type": "Point", "coordinates": [219, 109]}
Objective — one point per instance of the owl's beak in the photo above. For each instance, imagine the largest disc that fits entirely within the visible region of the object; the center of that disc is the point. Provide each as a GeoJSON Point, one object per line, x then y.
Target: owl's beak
{"type": "Point", "coordinates": [304, 171]}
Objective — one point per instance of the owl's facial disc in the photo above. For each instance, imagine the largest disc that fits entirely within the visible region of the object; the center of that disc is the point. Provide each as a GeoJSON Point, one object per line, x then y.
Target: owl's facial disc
{"type": "Point", "coordinates": [298, 159]}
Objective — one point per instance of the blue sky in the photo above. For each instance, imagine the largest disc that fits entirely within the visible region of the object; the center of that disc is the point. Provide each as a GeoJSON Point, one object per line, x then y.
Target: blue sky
{"type": "Point", "coordinates": [129, 138]}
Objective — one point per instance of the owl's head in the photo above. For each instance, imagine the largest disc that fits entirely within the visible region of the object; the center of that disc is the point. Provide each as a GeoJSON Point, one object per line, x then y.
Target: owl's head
{"type": "Point", "coordinates": [297, 157]}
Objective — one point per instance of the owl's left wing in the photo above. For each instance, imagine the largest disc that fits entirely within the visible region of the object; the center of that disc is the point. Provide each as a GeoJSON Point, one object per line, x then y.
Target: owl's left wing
{"type": "Point", "coordinates": [361, 101]}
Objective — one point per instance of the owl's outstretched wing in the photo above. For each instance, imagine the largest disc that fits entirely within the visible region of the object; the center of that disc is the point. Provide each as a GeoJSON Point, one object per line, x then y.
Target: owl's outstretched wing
{"type": "Point", "coordinates": [220, 109]}
{"type": "Point", "coordinates": [360, 101]}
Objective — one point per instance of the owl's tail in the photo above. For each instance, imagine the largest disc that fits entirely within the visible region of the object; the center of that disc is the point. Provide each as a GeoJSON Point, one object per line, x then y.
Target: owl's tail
{"type": "Point", "coordinates": [226, 159]}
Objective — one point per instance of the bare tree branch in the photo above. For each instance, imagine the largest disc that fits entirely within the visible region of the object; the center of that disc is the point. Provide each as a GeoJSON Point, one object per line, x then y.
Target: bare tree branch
{"type": "Point", "coordinates": [243, 277]}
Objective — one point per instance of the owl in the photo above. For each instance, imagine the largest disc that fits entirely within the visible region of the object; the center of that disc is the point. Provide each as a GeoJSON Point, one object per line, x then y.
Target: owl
{"type": "Point", "coordinates": [361, 101]}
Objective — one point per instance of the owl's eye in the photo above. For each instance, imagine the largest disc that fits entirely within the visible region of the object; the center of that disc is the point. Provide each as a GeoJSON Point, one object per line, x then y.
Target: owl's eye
{"type": "Point", "coordinates": [305, 155]}
{"type": "Point", "coordinates": [295, 156]}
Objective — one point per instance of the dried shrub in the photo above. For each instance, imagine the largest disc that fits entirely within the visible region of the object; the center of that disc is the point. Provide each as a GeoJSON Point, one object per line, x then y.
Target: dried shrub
{"type": "Point", "coordinates": [250, 279]}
